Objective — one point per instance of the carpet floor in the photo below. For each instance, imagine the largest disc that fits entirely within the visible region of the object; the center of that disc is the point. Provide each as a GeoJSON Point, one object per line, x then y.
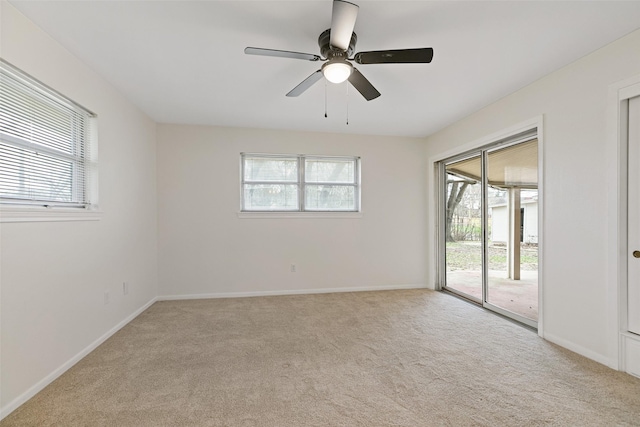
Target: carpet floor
{"type": "Point", "coordinates": [391, 358]}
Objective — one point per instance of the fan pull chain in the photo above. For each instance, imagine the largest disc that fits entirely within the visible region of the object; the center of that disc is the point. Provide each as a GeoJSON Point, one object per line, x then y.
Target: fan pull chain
{"type": "Point", "coordinates": [325, 98]}
{"type": "Point", "coordinates": [347, 103]}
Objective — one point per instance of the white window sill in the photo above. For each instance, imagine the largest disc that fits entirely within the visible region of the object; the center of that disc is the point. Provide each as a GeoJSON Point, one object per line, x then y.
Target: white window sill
{"type": "Point", "coordinates": [43, 214]}
{"type": "Point", "coordinates": [300, 215]}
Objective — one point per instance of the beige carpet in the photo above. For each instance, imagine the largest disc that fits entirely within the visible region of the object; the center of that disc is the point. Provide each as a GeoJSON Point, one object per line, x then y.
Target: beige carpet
{"type": "Point", "coordinates": [394, 358]}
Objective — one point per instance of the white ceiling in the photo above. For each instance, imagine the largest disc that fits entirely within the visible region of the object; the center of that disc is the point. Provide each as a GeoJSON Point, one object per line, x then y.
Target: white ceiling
{"type": "Point", "coordinates": [183, 61]}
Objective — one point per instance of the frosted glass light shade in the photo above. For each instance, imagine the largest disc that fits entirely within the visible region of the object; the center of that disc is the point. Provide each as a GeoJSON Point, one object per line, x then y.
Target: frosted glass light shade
{"type": "Point", "coordinates": [337, 72]}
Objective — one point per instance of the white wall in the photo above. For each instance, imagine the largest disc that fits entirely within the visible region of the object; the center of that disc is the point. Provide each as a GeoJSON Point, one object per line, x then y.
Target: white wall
{"type": "Point", "coordinates": [499, 223]}
{"type": "Point", "coordinates": [53, 274]}
{"type": "Point", "coordinates": [530, 231]}
{"type": "Point", "coordinates": [205, 248]}
{"type": "Point", "coordinates": [499, 220]}
{"type": "Point", "coordinates": [579, 297]}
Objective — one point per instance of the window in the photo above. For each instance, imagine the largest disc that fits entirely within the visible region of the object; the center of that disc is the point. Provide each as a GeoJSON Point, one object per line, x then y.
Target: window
{"type": "Point", "coordinates": [45, 144]}
{"type": "Point", "coordinates": [299, 183]}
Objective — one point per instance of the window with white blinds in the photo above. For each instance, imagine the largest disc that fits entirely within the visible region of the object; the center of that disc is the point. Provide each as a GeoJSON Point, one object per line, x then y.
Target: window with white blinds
{"type": "Point", "coordinates": [45, 144]}
{"type": "Point", "coordinates": [300, 183]}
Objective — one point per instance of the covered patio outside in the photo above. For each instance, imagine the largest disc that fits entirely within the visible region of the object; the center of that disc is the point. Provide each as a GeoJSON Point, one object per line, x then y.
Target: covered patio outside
{"type": "Point", "coordinates": [518, 296]}
{"type": "Point", "coordinates": [496, 189]}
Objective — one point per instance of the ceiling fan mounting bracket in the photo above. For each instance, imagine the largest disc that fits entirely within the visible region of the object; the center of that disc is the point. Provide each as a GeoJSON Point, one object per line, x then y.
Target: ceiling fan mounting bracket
{"type": "Point", "coordinates": [330, 52]}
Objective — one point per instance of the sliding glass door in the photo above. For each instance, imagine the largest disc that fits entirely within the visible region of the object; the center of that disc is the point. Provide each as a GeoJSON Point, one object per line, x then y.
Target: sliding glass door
{"type": "Point", "coordinates": [463, 227]}
{"type": "Point", "coordinates": [490, 227]}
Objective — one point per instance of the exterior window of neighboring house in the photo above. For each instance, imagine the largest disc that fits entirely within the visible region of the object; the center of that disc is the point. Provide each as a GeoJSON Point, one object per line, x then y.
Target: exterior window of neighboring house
{"type": "Point", "coordinates": [300, 183]}
{"type": "Point", "coordinates": [46, 145]}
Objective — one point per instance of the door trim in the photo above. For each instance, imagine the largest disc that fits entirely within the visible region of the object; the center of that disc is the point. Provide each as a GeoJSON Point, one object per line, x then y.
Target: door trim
{"type": "Point", "coordinates": [617, 157]}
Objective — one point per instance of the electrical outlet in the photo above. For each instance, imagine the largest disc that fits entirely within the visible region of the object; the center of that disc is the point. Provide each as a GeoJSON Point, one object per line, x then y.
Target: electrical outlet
{"type": "Point", "coordinates": [293, 268]}
{"type": "Point", "coordinates": [125, 288]}
{"type": "Point", "coordinates": [106, 297]}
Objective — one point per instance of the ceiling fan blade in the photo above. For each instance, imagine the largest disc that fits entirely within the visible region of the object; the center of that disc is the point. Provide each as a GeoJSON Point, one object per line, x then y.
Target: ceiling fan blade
{"type": "Point", "coordinates": [363, 85]}
{"type": "Point", "coordinates": [306, 84]}
{"type": "Point", "coordinates": [281, 53]}
{"type": "Point", "coordinates": [400, 56]}
{"type": "Point", "coordinates": [343, 20]}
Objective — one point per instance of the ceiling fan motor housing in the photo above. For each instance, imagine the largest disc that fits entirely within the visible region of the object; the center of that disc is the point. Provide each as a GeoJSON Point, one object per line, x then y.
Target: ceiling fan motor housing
{"type": "Point", "coordinates": [329, 52]}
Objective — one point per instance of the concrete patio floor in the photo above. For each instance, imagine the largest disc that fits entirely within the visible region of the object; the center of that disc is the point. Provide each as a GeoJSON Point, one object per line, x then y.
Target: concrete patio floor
{"type": "Point", "coordinates": [517, 296]}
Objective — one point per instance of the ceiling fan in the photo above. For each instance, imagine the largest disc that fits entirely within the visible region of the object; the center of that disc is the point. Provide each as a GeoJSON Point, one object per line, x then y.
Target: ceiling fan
{"type": "Point", "coordinates": [337, 44]}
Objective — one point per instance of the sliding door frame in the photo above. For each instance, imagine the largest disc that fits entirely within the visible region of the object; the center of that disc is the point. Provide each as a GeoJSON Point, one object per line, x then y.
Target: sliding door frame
{"type": "Point", "coordinates": [442, 241]}
{"type": "Point", "coordinates": [518, 134]}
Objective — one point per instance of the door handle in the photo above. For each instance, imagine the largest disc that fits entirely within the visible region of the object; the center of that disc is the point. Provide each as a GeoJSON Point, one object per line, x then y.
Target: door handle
{"type": "Point", "coordinates": [636, 254]}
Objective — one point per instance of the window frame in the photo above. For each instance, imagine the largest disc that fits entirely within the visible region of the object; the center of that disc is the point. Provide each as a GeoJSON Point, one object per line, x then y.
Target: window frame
{"type": "Point", "coordinates": [82, 158]}
{"type": "Point", "coordinates": [301, 184]}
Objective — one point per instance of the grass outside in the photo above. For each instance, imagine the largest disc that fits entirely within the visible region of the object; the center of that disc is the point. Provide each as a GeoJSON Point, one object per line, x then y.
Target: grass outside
{"type": "Point", "coordinates": [468, 256]}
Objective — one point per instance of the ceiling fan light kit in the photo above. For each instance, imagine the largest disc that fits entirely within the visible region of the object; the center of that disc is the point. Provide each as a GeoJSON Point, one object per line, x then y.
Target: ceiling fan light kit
{"type": "Point", "coordinates": [337, 45]}
{"type": "Point", "coordinates": [337, 72]}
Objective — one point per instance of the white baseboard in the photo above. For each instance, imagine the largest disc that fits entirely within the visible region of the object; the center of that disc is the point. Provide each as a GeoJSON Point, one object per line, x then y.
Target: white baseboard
{"type": "Point", "coordinates": [32, 391]}
{"type": "Point", "coordinates": [590, 354]}
{"type": "Point", "coordinates": [630, 346]}
{"type": "Point", "coordinates": [288, 292]}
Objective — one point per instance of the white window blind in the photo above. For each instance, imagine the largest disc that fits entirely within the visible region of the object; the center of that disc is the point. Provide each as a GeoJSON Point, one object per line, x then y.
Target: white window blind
{"type": "Point", "coordinates": [285, 183]}
{"type": "Point", "coordinates": [45, 144]}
